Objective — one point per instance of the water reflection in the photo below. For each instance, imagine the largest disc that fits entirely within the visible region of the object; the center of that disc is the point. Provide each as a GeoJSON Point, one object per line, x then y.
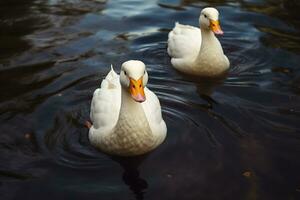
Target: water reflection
{"type": "Point", "coordinates": [16, 21]}
{"type": "Point", "coordinates": [237, 136]}
{"type": "Point", "coordinates": [131, 175]}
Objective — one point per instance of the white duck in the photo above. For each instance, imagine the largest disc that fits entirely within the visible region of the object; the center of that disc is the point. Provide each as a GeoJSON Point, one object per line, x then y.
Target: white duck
{"type": "Point", "coordinates": [197, 51]}
{"type": "Point", "coordinates": [125, 114]}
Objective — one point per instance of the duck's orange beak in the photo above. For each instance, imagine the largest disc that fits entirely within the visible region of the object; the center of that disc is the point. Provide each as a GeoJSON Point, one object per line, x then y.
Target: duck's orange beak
{"type": "Point", "coordinates": [136, 90]}
{"type": "Point", "coordinates": [215, 27]}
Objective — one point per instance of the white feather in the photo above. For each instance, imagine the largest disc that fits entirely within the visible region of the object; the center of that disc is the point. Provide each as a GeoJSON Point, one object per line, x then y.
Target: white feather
{"type": "Point", "coordinates": [110, 130]}
{"type": "Point", "coordinates": [153, 113]}
{"type": "Point", "coordinates": [184, 41]}
{"type": "Point", "coordinates": [197, 51]}
{"type": "Point", "coordinates": [105, 105]}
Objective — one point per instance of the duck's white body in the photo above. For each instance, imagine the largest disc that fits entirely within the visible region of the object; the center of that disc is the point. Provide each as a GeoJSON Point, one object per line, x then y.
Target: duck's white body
{"type": "Point", "coordinates": [197, 51]}
{"type": "Point", "coordinates": [122, 126]}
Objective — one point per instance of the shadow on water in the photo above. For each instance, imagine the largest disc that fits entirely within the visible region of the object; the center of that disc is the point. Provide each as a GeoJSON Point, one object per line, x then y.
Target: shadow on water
{"type": "Point", "coordinates": [131, 175]}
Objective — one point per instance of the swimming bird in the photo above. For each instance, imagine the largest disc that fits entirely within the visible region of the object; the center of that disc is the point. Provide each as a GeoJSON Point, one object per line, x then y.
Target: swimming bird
{"type": "Point", "coordinates": [126, 116]}
{"type": "Point", "coordinates": [197, 51]}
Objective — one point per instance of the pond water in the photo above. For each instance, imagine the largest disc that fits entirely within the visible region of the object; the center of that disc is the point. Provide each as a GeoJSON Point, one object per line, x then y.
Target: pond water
{"type": "Point", "coordinates": [233, 139]}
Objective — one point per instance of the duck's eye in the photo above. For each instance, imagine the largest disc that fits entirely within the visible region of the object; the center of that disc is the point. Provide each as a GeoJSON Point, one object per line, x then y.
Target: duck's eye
{"type": "Point", "coordinates": [205, 15]}
{"type": "Point", "coordinates": [125, 73]}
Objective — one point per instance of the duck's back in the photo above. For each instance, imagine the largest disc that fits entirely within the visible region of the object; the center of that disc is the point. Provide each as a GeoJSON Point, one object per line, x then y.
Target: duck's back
{"type": "Point", "coordinates": [184, 43]}
{"type": "Point", "coordinates": [105, 106]}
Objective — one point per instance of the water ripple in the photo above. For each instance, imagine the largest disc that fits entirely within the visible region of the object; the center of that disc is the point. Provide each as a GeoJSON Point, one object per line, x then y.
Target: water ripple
{"type": "Point", "coordinates": [242, 130]}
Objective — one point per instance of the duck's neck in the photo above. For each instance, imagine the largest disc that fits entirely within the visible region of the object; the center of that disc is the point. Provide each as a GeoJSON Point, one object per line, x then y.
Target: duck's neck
{"type": "Point", "coordinates": [132, 132]}
{"type": "Point", "coordinates": [210, 60]}
{"type": "Point", "coordinates": [210, 45]}
{"type": "Point", "coordinates": [130, 108]}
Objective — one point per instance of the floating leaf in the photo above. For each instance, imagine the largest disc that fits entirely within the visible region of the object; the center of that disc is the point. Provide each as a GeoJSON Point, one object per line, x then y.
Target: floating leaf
{"type": "Point", "coordinates": [247, 174]}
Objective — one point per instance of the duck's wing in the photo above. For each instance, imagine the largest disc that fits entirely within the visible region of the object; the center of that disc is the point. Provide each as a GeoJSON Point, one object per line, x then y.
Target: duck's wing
{"type": "Point", "coordinates": [184, 42]}
{"type": "Point", "coordinates": [153, 113]}
{"type": "Point", "coordinates": [106, 102]}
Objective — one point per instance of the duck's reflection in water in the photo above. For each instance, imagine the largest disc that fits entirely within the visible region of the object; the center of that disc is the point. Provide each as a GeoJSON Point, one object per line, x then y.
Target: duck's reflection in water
{"type": "Point", "coordinates": [205, 90]}
{"type": "Point", "coordinates": [205, 87]}
{"type": "Point", "coordinates": [131, 174]}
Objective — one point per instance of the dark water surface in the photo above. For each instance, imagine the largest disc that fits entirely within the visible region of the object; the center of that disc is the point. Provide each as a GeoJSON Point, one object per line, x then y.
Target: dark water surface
{"type": "Point", "coordinates": [236, 139]}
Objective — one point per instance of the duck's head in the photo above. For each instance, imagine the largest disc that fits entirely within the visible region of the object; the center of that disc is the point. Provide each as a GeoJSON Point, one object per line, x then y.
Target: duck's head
{"type": "Point", "coordinates": [134, 77]}
{"type": "Point", "coordinates": [209, 19]}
